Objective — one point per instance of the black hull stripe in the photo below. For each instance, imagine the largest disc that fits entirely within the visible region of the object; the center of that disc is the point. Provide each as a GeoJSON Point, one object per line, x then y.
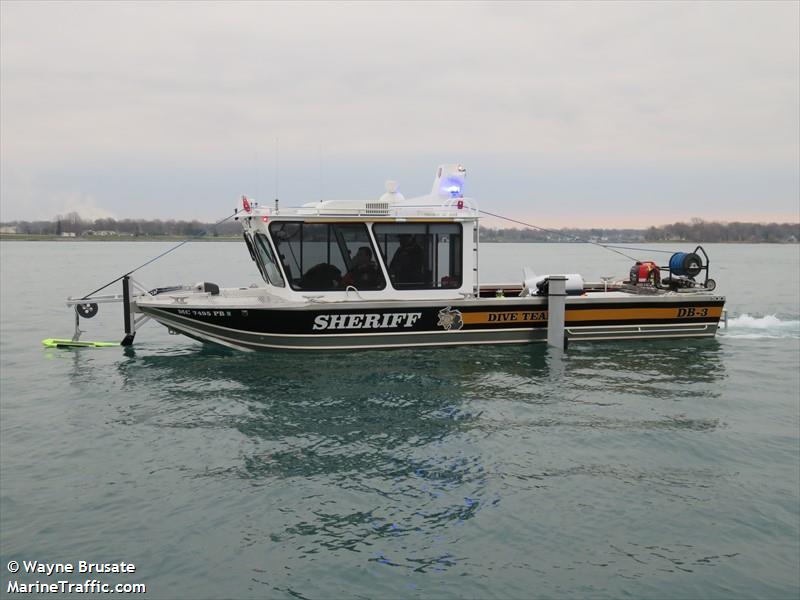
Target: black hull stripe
{"type": "Point", "coordinates": [630, 305]}
{"type": "Point", "coordinates": [596, 336]}
{"type": "Point", "coordinates": [212, 333]}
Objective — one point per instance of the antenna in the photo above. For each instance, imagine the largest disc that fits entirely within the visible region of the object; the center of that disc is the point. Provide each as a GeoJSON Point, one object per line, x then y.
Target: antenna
{"type": "Point", "coordinates": [257, 177]}
{"type": "Point", "coordinates": [321, 186]}
{"type": "Point", "coordinates": [277, 148]}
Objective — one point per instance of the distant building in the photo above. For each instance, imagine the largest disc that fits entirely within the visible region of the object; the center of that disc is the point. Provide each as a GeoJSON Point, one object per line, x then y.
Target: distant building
{"type": "Point", "coordinates": [67, 234]}
{"type": "Point", "coordinates": [8, 229]}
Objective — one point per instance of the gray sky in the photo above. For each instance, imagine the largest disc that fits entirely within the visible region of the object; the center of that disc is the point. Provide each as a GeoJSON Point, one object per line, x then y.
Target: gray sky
{"type": "Point", "coordinates": [565, 114]}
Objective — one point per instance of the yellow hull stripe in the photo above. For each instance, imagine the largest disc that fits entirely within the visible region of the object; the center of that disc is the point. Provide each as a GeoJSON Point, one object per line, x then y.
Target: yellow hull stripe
{"type": "Point", "coordinates": [612, 314]}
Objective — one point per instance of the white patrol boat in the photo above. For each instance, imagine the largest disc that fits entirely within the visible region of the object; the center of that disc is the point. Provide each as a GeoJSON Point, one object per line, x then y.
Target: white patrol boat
{"type": "Point", "coordinates": [393, 273]}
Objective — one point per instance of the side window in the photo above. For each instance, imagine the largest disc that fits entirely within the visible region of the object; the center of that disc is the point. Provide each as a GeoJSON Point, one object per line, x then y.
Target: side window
{"type": "Point", "coordinates": [249, 245]}
{"type": "Point", "coordinates": [421, 255]}
{"type": "Point", "coordinates": [361, 268]}
{"type": "Point", "coordinates": [327, 256]}
{"type": "Point", "coordinates": [287, 237]}
{"type": "Point", "coordinates": [267, 261]}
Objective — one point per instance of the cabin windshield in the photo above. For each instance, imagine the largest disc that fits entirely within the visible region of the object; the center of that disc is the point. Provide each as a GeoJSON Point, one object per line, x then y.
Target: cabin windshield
{"type": "Point", "coordinates": [327, 256]}
{"type": "Point", "coordinates": [421, 255]}
{"type": "Point", "coordinates": [266, 260]}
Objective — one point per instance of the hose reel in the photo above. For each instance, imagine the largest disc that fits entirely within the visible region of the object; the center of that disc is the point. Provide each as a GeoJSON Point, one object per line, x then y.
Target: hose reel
{"type": "Point", "coordinates": [687, 264]}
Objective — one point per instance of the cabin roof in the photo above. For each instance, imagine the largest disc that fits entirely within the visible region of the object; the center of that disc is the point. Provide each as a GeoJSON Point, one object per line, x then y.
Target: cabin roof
{"type": "Point", "coordinates": [423, 209]}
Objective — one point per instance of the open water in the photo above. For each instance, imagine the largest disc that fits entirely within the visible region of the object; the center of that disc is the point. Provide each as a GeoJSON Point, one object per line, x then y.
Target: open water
{"type": "Point", "coordinates": [666, 469]}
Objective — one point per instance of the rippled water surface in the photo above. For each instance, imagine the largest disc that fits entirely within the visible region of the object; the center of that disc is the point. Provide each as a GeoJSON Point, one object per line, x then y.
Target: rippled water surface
{"type": "Point", "coordinates": [640, 469]}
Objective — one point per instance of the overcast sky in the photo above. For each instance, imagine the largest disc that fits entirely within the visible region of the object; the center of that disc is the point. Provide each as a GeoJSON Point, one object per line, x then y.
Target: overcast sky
{"type": "Point", "coordinates": [565, 114]}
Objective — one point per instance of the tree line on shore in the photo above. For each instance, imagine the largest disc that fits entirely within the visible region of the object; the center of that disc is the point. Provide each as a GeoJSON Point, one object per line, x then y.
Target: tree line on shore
{"type": "Point", "coordinates": [713, 231]}
{"type": "Point", "coordinates": [697, 230]}
{"type": "Point", "coordinates": [72, 223]}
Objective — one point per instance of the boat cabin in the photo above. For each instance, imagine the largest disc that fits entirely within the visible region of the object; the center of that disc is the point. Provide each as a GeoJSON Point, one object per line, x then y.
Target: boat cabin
{"type": "Point", "coordinates": [392, 248]}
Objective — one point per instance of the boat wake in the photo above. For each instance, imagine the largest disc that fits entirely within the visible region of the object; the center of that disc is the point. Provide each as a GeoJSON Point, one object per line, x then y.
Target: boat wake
{"type": "Point", "coordinates": [769, 326]}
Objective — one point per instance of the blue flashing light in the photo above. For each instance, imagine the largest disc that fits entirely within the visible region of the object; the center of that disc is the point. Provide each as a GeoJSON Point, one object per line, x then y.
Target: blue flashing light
{"type": "Point", "coordinates": [452, 186]}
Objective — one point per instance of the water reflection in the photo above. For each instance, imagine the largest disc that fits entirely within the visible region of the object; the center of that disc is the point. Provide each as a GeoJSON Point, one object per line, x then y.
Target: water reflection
{"type": "Point", "coordinates": [393, 454]}
{"type": "Point", "coordinates": [376, 413]}
{"type": "Point", "coordinates": [689, 369]}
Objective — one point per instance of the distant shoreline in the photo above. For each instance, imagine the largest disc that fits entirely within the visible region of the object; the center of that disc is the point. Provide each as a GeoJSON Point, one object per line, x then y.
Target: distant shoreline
{"type": "Point", "coordinates": [22, 237]}
{"type": "Point", "coordinates": [73, 227]}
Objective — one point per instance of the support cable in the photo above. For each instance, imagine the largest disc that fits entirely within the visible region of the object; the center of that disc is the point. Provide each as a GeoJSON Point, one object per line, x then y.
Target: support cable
{"type": "Point", "coordinates": [152, 260]}
{"type": "Point", "coordinates": [575, 237]}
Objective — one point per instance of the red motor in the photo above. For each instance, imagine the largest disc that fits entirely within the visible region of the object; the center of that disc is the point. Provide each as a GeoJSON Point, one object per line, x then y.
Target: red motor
{"type": "Point", "coordinates": [645, 272]}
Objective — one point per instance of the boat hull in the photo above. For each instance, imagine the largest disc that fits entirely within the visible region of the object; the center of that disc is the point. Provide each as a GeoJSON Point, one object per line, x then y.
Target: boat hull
{"type": "Point", "coordinates": [354, 325]}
